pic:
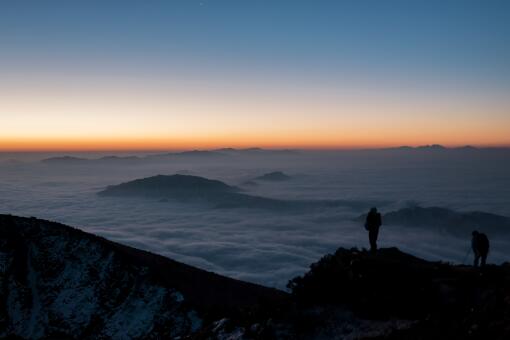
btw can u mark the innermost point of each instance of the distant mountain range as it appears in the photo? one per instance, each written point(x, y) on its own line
point(275, 176)
point(80, 160)
point(186, 155)
point(61, 283)
point(231, 153)
point(432, 147)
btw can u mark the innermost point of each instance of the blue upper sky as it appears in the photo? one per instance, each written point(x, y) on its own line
point(464, 39)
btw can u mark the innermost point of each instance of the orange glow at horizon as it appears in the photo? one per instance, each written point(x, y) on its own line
point(168, 144)
point(108, 117)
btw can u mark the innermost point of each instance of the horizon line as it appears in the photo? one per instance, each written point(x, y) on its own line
point(274, 148)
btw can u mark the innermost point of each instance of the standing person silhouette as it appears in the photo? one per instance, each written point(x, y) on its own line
point(372, 224)
point(480, 245)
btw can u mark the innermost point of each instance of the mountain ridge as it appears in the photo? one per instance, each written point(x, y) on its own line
point(60, 282)
point(79, 277)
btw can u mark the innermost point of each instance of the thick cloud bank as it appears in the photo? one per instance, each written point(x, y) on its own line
point(256, 236)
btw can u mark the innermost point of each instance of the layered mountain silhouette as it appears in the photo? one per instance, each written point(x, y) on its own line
point(433, 147)
point(191, 155)
point(59, 282)
point(449, 221)
point(195, 189)
point(64, 160)
point(275, 176)
point(173, 186)
point(188, 155)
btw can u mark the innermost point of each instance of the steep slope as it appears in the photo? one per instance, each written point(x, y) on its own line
point(432, 300)
point(57, 281)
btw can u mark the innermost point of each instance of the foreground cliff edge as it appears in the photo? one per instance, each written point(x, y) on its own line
point(60, 282)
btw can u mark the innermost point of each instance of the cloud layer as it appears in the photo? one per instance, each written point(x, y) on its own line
point(260, 245)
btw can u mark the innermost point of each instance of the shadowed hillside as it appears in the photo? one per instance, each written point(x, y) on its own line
point(58, 281)
point(433, 300)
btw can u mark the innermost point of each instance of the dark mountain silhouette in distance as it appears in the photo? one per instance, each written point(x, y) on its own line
point(189, 189)
point(447, 220)
point(191, 155)
point(64, 159)
point(275, 176)
point(172, 186)
point(434, 147)
point(60, 282)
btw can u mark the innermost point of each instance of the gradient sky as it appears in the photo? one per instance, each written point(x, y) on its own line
point(199, 74)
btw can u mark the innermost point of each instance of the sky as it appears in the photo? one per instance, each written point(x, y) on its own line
point(150, 75)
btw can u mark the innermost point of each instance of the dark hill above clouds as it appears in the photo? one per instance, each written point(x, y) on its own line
point(450, 221)
point(60, 282)
point(172, 186)
point(194, 189)
point(275, 176)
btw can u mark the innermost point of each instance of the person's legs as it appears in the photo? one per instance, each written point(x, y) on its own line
point(477, 259)
point(484, 259)
point(372, 236)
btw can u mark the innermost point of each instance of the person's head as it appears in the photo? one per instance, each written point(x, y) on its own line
point(373, 210)
point(475, 233)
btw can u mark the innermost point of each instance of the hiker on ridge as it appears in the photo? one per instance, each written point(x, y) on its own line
point(372, 224)
point(480, 245)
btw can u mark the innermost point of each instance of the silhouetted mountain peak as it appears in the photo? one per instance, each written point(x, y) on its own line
point(168, 186)
point(431, 147)
point(447, 220)
point(273, 176)
point(428, 147)
point(64, 159)
point(467, 148)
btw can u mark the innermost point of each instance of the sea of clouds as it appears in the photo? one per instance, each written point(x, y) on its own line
point(266, 246)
